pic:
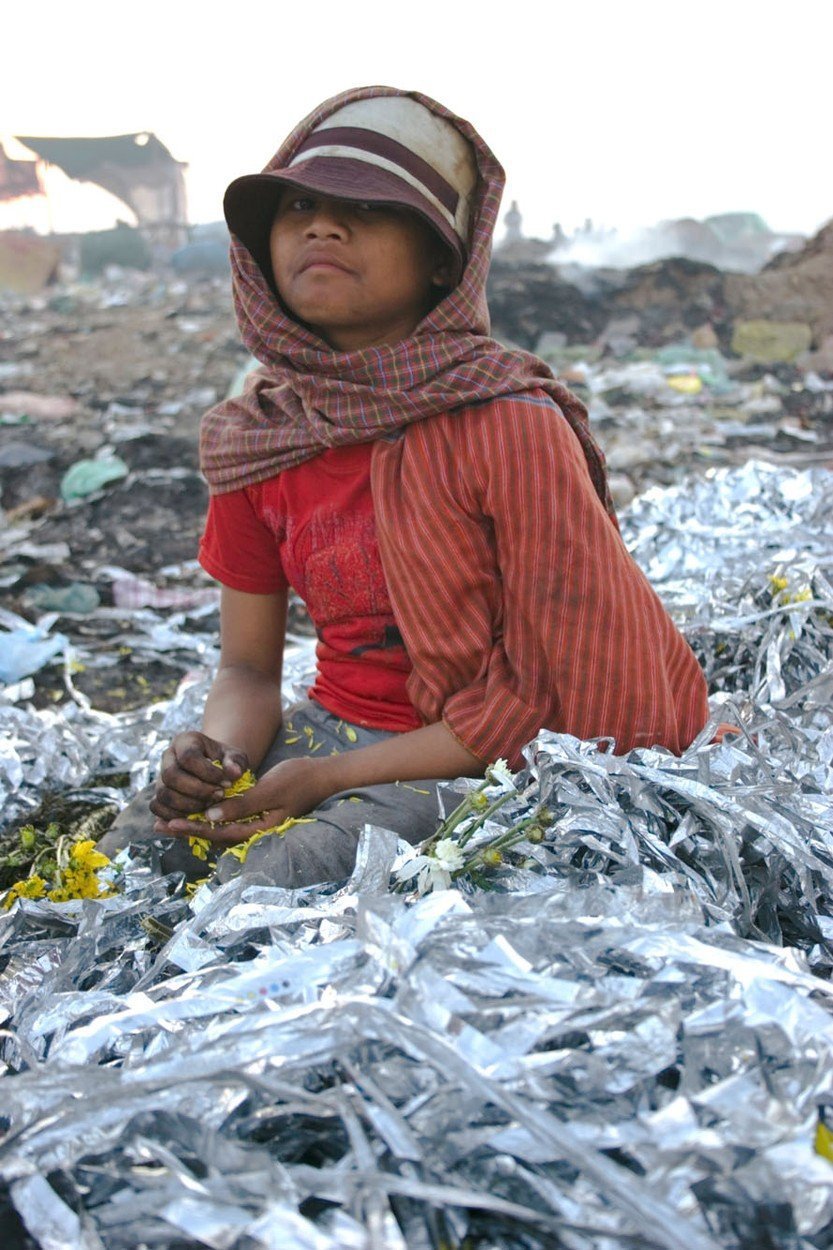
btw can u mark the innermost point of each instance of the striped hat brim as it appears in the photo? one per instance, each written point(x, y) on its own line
point(250, 202)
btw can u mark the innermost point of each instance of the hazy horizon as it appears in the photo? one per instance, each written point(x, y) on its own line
point(628, 117)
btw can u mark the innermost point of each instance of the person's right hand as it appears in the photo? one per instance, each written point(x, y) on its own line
point(189, 780)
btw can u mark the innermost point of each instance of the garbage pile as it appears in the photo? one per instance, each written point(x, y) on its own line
point(615, 1030)
point(784, 313)
point(682, 408)
point(101, 390)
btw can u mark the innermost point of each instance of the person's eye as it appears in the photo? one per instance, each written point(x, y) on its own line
point(296, 204)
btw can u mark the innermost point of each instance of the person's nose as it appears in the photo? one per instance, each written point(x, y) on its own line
point(329, 221)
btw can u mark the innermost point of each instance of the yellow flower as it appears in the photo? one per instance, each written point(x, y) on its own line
point(61, 894)
point(77, 879)
point(492, 858)
point(240, 786)
point(782, 596)
point(84, 855)
point(241, 850)
point(77, 883)
point(199, 847)
point(31, 887)
point(824, 1141)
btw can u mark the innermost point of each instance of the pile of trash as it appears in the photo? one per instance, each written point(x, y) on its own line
point(602, 1015)
point(783, 313)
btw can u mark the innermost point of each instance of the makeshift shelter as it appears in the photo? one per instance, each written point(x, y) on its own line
point(137, 168)
point(17, 178)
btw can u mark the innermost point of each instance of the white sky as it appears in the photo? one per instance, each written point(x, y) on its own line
point(624, 112)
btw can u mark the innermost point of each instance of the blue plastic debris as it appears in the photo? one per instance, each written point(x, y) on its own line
point(26, 649)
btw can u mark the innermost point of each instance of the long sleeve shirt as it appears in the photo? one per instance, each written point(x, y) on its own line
point(518, 602)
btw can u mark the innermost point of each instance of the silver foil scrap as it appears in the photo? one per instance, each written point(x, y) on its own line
point(621, 1036)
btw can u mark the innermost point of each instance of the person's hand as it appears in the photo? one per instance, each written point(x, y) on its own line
point(291, 788)
point(190, 780)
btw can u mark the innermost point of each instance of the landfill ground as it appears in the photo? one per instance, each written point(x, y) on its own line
point(597, 1016)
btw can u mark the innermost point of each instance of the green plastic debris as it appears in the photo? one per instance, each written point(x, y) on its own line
point(88, 476)
point(706, 362)
point(78, 597)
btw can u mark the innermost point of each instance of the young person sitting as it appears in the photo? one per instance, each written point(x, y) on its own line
point(436, 500)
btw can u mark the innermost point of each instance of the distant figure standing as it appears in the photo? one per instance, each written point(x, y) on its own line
point(513, 222)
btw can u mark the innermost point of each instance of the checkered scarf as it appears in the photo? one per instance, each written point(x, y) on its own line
point(306, 397)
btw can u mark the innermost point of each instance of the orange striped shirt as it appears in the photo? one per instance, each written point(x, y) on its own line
point(519, 603)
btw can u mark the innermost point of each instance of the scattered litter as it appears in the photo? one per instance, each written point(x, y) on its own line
point(25, 648)
point(685, 383)
point(47, 553)
point(88, 476)
point(77, 597)
point(15, 455)
point(29, 509)
point(706, 363)
point(137, 592)
point(38, 407)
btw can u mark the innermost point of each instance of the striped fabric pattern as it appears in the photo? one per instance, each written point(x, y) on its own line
point(307, 397)
point(519, 604)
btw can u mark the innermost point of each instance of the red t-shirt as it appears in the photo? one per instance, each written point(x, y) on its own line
point(313, 528)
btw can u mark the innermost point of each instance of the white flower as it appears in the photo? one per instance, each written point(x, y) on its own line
point(432, 877)
point(409, 864)
point(499, 774)
point(429, 872)
point(420, 872)
point(448, 855)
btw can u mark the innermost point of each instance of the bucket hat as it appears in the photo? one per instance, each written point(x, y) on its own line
point(387, 150)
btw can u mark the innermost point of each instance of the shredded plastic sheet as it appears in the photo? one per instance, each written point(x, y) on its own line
point(626, 1041)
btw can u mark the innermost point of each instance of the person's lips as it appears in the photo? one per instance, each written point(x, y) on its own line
point(323, 260)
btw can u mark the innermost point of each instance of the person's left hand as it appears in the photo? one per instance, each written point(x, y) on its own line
point(291, 788)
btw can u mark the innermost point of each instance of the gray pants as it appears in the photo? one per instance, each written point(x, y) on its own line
point(322, 850)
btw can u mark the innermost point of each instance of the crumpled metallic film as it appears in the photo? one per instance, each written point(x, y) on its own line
point(624, 1038)
point(744, 558)
point(55, 749)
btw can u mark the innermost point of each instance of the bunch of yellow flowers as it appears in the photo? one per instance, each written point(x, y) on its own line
point(201, 847)
point(76, 876)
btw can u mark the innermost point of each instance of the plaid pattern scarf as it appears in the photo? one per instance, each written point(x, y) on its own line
point(306, 397)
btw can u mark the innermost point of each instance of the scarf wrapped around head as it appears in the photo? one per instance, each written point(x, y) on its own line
point(307, 397)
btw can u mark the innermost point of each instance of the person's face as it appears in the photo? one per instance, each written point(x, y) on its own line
point(358, 274)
